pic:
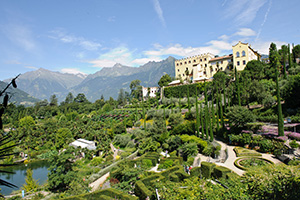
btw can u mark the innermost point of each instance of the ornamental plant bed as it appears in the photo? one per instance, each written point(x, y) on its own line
point(242, 152)
point(245, 163)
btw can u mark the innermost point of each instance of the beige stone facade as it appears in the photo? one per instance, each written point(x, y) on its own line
point(242, 54)
point(203, 67)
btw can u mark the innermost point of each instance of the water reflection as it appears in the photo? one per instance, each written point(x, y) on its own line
point(40, 171)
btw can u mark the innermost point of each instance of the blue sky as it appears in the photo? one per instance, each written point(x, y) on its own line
point(84, 36)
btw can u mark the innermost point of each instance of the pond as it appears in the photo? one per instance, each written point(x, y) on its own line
point(40, 172)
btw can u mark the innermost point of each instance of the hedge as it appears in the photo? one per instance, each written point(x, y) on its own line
point(195, 171)
point(180, 91)
point(220, 172)
point(110, 193)
point(236, 162)
point(207, 169)
point(141, 190)
point(232, 176)
point(239, 151)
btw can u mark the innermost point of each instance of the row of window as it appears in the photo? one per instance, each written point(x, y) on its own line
point(238, 62)
point(238, 54)
point(190, 62)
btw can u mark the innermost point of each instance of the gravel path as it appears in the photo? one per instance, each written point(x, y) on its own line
point(95, 185)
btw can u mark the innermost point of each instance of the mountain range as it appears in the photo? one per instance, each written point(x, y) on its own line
point(43, 83)
point(18, 96)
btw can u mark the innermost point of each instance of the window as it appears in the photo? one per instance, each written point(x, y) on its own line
point(221, 61)
point(237, 54)
point(238, 63)
point(216, 69)
point(204, 59)
point(243, 53)
point(186, 69)
point(200, 60)
point(205, 65)
point(194, 60)
point(189, 61)
point(180, 63)
point(185, 62)
point(177, 64)
point(182, 74)
point(244, 62)
point(178, 70)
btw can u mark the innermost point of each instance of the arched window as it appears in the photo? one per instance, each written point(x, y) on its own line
point(237, 54)
point(243, 53)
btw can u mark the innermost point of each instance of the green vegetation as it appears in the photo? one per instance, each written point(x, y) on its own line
point(144, 132)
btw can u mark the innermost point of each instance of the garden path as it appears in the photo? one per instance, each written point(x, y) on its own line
point(95, 185)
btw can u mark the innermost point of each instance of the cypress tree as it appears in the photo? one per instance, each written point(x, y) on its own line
point(172, 105)
point(294, 54)
point(224, 96)
point(274, 61)
point(197, 114)
point(211, 134)
point(284, 51)
point(202, 121)
point(221, 114)
point(206, 113)
point(213, 110)
point(289, 54)
point(237, 85)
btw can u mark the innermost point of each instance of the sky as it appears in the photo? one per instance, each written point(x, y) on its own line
point(83, 36)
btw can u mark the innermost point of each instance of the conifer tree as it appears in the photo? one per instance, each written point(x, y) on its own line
point(202, 121)
point(284, 49)
point(206, 112)
point(213, 110)
point(30, 184)
point(289, 54)
point(274, 61)
point(197, 114)
point(237, 85)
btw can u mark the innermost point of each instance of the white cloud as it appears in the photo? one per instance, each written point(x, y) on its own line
point(71, 71)
point(117, 55)
point(20, 35)
point(243, 11)
point(31, 67)
point(141, 61)
point(245, 32)
point(159, 12)
point(80, 41)
point(263, 46)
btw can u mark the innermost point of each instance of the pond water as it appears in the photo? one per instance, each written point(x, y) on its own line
point(40, 172)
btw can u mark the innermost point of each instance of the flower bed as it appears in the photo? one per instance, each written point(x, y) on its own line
point(245, 163)
point(272, 132)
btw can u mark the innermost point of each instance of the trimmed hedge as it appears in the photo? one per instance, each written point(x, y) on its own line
point(110, 193)
point(181, 90)
point(195, 171)
point(231, 176)
point(236, 162)
point(141, 190)
point(207, 169)
point(239, 151)
point(220, 172)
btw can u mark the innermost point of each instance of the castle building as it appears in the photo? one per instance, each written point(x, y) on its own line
point(203, 67)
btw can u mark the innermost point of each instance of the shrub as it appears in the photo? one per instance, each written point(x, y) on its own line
point(195, 171)
point(96, 161)
point(141, 190)
point(239, 151)
point(294, 144)
point(207, 169)
point(147, 163)
point(220, 172)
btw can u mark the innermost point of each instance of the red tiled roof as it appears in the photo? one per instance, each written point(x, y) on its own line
point(220, 58)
